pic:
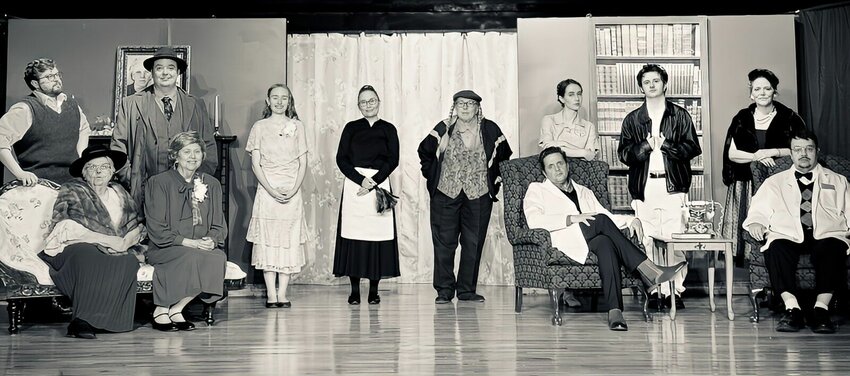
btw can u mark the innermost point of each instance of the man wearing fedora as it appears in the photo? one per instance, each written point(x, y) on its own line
point(47, 129)
point(460, 161)
point(151, 117)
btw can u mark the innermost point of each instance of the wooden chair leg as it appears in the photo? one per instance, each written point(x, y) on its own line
point(12, 308)
point(518, 303)
point(754, 293)
point(647, 316)
point(208, 313)
point(554, 296)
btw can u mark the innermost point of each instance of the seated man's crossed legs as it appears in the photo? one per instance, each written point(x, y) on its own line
point(613, 249)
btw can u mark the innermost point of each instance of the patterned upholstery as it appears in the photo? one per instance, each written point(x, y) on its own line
point(25, 214)
point(536, 263)
point(759, 280)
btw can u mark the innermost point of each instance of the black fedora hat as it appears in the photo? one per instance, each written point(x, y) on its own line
point(96, 151)
point(165, 53)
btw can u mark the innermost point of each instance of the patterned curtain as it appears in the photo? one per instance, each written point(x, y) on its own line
point(415, 76)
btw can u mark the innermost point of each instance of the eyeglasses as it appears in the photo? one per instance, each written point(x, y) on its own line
point(807, 149)
point(370, 102)
point(466, 104)
point(98, 168)
point(51, 77)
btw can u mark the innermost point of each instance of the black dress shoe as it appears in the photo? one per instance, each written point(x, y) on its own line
point(283, 304)
point(182, 325)
point(821, 322)
point(471, 297)
point(168, 327)
point(791, 321)
point(442, 300)
point(80, 329)
point(616, 321)
point(654, 302)
point(679, 304)
point(354, 299)
point(374, 298)
point(270, 305)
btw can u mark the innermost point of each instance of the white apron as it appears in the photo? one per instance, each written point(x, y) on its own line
point(360, 219)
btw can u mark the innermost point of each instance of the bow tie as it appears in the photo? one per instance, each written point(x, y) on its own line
point(799, 175)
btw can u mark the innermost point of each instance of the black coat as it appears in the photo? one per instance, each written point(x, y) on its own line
point(743, 131)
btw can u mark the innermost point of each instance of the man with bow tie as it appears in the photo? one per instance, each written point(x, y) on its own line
point(803, 210)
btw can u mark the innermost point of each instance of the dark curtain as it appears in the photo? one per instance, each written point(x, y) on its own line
point(824, 67)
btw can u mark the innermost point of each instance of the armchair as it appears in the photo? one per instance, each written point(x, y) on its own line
point(536, 263)
point(759, 283)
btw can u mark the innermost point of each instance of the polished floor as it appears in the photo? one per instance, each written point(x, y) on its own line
point(408, 334)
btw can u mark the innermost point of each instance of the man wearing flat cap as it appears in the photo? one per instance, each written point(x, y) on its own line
point(151, 117)
point(460, 161)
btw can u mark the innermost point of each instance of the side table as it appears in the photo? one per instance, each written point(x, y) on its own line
point(714, 245)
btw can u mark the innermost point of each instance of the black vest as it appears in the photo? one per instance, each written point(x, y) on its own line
point(50, 145)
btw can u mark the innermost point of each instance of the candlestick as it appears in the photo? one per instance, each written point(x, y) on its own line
point(216, 124)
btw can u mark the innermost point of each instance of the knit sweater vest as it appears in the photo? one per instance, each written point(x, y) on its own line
point(50, 145)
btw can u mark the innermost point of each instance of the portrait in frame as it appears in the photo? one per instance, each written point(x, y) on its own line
point(131, 76)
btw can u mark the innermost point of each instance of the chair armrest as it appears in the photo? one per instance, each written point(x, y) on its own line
point(532, 236)
point(751, 241)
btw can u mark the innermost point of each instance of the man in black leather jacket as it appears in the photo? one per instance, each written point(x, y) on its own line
point(657, 142)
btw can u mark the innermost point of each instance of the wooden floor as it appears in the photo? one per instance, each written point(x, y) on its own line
point(408, 334)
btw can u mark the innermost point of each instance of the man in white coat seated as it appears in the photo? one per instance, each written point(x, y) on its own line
point(803, 210)
point(579, 224)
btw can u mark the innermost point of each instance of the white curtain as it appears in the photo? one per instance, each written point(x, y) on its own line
point(415, 76)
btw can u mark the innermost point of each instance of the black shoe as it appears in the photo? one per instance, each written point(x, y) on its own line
point(654, 302)
point(270, 305)
point(374, 298)
point(283, 304)
point(169, 327)
point(182, 325)
point(821, 322)
point(669, 302)
point(354, 299)
point(80, 329)
point(471, 297)
point(442, 300)
point(791, 321)
point(616, 321)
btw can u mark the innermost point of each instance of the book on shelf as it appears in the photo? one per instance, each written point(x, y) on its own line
point(691, 235)
point(666, 40)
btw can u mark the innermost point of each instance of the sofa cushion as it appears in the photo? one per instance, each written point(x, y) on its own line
point(25, 214)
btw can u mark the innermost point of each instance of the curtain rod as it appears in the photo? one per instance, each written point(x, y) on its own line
point(401, 31)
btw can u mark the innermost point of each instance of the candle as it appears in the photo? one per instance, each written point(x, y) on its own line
point(216, 112)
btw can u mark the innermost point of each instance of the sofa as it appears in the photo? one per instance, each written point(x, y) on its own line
point(25, 215)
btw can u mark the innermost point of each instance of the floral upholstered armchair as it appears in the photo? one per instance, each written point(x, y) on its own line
point(536, 263)
point(759, 280)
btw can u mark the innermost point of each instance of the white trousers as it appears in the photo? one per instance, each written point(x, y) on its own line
point(661, 214)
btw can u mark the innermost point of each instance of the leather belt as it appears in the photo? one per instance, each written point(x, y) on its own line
point(657, 175)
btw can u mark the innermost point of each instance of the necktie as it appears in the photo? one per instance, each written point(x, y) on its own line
point(166, 108)
point(799, 175)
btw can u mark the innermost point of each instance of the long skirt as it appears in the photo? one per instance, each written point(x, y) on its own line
point(738, 198)
point(180, 272)
point(366, 259)
point(102, 287)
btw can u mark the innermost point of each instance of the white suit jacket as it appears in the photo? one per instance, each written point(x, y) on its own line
point(776, 206)
point(547, 207)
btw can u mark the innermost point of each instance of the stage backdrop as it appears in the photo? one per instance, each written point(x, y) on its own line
point(415, 76)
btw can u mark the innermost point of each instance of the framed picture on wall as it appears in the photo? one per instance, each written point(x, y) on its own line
point(131, 75)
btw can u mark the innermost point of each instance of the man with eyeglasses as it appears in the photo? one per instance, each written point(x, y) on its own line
point(47, 129)
point(803, 210)
point(658, 142)
point(460, 161)
point(148, 119)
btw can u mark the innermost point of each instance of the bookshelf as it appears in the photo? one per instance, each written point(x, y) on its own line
point(621, 47)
